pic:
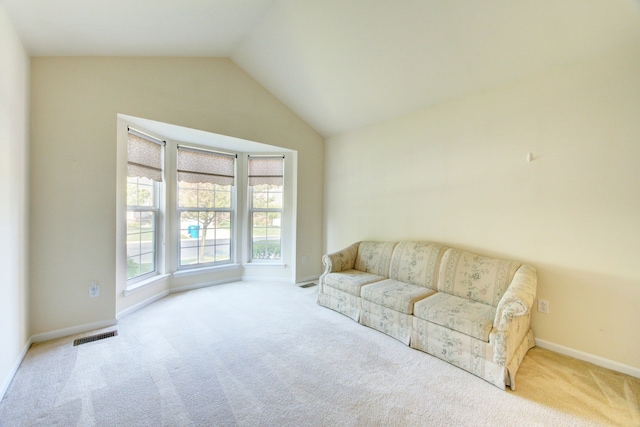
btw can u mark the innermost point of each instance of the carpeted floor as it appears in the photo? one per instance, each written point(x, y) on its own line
point(265, 354)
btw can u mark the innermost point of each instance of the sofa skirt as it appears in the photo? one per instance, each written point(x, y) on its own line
point(340, 301)
point(393, 323)
point(463, 351)
point(470, 354)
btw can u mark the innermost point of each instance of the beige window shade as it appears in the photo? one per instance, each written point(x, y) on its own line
point(203, 166)
point(266, 170)
point(144, 158)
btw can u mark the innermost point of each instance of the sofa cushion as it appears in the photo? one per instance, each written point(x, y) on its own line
point(399, 296)
point(351, 281)
point(459, 314)
point(416, 263)
point(374, 257)
point(475, 277)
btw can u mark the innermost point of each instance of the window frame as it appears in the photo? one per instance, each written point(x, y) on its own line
point(232, 211)
point(147, 163)
point(155, 210)
point(251, 210)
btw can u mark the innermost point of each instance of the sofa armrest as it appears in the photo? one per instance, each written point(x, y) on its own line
point(513, 314)
point(342, 260)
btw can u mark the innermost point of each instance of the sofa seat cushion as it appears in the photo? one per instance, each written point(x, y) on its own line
point(350, 281)
point(459, 314)
point(396, 295)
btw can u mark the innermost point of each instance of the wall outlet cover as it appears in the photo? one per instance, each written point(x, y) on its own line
point(94, 290)
point(543, 306)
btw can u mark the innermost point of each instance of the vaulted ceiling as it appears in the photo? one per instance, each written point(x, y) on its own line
point(341, 64)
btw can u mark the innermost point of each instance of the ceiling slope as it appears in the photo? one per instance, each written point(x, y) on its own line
point(134, 27)
point(341, 64)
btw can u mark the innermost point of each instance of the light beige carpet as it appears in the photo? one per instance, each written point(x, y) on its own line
point(265, 354)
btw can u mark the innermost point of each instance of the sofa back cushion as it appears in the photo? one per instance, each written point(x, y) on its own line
point(416, 263)
point(374, 257)
point(475, 277)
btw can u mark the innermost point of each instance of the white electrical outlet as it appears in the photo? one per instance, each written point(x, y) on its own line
point(304, 259)
point(543, 306)
point(94, 290)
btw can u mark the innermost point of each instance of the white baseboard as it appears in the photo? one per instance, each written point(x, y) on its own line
point(141, 304)
point(73, 330)
point(6, 382)
point(591, 358)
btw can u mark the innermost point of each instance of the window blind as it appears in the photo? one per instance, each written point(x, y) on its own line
point(205, 166)
point(144, 156)
point(266, 170)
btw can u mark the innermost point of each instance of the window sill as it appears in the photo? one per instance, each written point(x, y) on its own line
point(135, 287)
point(203, 270)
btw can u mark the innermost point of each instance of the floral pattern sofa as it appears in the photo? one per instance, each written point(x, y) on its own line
point(469, 310)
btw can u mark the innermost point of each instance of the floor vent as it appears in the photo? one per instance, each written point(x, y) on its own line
point(95, 338)
point(308, 285)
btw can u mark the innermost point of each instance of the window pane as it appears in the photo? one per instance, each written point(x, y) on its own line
point(223, 253)
point(145, 192)
point(207, 234)
point(189, 256)
point(263, 249)
point(223, 222)
point(273, 220)
point(266, 235)
point(208, 254)
point(259, 219)
point(187, 197)
point(189, 225)
point(133, 246)
point(147, 263)
point(189, 242)
point(206, 198)
point(146, 242)
point(267, 196)
point(223, 197)
point(140, 192)
point(275, 200)
point(260, 200)
point(204, 195)
point(141, 245)
point(133, 267)
point(132, 191)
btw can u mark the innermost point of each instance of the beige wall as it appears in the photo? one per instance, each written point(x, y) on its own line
point(75, 102)
point(14, 162)
point(457, 174)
